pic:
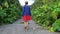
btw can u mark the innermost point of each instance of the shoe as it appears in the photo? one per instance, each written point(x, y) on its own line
point(26, 27)
point(28, 23)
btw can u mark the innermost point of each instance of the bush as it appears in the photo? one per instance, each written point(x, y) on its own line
point(48, 15)
point(56, 25)
point(10, 10)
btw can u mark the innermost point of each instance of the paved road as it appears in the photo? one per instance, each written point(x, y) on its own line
point(18, 28)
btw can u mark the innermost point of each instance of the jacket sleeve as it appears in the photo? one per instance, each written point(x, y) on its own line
point(23, 11)
point(30, 11)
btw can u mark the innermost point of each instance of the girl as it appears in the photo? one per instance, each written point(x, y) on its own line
point(26, 14)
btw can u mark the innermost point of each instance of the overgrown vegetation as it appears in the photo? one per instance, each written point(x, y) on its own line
point(10, 10)
point(44, 12)
point(47, 14)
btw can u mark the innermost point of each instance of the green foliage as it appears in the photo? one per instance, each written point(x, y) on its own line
point(47, 14)
point(10, 10)
point(51, 29)
point(6, 4)
point(56, 25)
point(55, 12)
point(2, 13)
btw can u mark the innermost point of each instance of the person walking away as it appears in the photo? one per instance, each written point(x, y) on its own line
point(26, 12)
